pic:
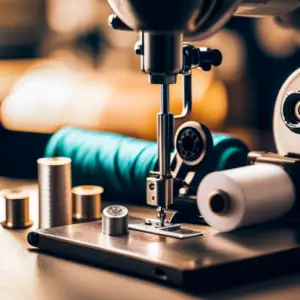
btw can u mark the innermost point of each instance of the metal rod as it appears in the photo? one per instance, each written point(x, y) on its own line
point(164, 134)
point(162, 216)
point(187, 97)
point(164, 148)
point(164, 98)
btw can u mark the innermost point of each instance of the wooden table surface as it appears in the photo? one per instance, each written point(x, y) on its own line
point(25, 274)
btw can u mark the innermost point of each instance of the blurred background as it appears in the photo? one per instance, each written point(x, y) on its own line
point(60, 64)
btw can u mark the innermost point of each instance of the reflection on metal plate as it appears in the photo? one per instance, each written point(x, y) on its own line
point(171, 230)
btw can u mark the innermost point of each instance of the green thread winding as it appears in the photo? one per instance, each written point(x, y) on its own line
point(121, 164)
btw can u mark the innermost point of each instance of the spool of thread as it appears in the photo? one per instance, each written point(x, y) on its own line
point(118, 163)
point(86, 203)
point(244, 196)
point(121, 164)
point(17, 210)
point(54, 185)
point(228, 152)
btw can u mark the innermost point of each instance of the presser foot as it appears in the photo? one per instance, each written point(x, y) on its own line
point(168, 229)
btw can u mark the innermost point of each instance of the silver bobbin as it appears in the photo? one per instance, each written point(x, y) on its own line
point(55, 198)
point(115, 220)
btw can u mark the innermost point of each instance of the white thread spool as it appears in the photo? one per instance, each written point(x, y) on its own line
point(249, 195)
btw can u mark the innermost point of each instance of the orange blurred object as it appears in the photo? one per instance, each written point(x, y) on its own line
point(53, 95)
point(10, 73)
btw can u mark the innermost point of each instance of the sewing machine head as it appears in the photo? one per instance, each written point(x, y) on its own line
point(162, 37)
point(167, 23)
point(163, 26)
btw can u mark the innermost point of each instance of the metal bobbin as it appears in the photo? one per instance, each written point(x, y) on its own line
point(55, 198)
point(115, 220)
point(17, 210)
point(86, 203)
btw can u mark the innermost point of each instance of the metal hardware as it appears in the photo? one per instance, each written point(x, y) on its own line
point(156, 224)
point(187, 98)
point(86, 202)
point(203, 58)
point(115, 220)
point(256, 157)
point(55, 198)
point(17, 210)
point(169, 230)
point(192, 142)
point(184, 261)
point(159, 191)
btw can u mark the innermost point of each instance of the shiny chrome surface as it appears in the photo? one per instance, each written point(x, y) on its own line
point(17, 210)
point(86, 201)
point(169, 230)
point(187, 98)
point(115, 220)
point(55, 198)
point(266, 248)
point(215, 19)
point(159, 191)
point(164, 132)
point(259, 8)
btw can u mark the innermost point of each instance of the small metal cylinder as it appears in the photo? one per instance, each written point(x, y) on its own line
point(165, 135)
point(115, 220)
point(55, 198)
point(17, 210)
point(163, 56)
point(86, 203)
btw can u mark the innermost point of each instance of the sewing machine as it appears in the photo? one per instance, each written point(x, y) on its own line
point(165, 55)
point(149, 249)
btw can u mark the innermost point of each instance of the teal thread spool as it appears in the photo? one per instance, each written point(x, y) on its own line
point(228, 152)
point(118, 163)
point(121, 164)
